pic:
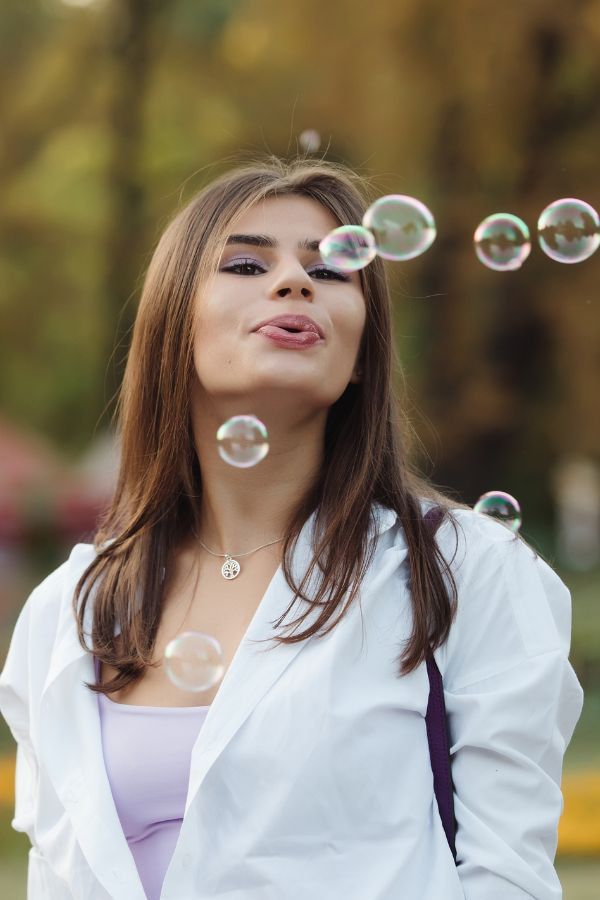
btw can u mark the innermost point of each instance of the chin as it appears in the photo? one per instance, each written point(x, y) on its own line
point(291, 389)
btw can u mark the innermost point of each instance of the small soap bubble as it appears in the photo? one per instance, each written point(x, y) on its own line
point(569, 230)
point(501, 506)
point(348, 248)
point(242, 441)
point(502, 242)
point(310, 140)
point(194, 661)
point(403, 226)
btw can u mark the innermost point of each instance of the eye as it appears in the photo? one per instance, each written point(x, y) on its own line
point(243, 267)
point(252, 267)
point(326, 274)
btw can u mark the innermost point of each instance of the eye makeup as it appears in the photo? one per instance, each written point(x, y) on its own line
point(236, 267)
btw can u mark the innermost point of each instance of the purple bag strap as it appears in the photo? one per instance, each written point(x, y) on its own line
point(437, 728)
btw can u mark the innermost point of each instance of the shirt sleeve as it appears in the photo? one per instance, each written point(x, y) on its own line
point(26, 780)
point(512, 701)
point(14, 693)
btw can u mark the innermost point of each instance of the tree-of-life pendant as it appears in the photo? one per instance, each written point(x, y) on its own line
point(230, 568)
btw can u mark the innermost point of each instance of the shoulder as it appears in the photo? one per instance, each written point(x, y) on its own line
point(464, 532)
point(47, 611)
point(42, 621)
point(511, 605)
point(478, 546)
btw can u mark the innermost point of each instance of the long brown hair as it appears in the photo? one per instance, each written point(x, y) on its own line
point(366, 453)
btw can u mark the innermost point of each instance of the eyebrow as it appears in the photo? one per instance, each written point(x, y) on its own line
point(263, 240)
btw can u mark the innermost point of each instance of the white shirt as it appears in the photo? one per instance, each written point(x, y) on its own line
point(311, 775)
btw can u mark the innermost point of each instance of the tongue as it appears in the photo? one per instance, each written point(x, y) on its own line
point(303, 337)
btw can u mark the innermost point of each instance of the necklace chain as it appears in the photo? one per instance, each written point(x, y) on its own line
point(248, 552)
point(231, 567)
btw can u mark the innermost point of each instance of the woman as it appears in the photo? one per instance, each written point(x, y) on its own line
point(305, 772)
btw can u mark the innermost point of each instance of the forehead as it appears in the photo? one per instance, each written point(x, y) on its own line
point(289, 219)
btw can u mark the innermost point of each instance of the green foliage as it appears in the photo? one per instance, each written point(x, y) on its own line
point(200, 23)
point(585, 642)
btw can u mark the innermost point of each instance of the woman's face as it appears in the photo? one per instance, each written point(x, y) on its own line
point(271, 266)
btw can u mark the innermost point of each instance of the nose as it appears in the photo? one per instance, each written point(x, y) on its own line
point(293, 282)
point(285, 291)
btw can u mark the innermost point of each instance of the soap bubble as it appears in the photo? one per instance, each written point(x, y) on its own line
point(194, 661)
point(403, 226)
point(242, 441)
point(310, 140)
point(348, 248)
point(502, 242)
point(501, 506)
point(569, 230)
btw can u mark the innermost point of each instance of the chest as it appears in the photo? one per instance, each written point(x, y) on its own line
point(198, 598)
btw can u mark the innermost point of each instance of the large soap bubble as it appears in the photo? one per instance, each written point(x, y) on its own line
point(403, 226)
point(242, 441)
point(348, 248)
point(194, 661)
point(569, 230)
point(502, 242)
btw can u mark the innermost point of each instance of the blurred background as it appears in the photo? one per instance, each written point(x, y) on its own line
point(115, 112)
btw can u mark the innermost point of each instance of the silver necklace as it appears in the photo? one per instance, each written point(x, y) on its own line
point(231, 567)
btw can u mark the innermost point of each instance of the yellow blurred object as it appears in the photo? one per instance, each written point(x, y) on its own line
point(7, 780)
point(245, 42)
point(579, 826)
point(578, 830)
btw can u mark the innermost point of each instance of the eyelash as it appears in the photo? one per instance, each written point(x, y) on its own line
point(334, 275)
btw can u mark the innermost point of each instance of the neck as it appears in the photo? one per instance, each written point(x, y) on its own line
point(243, 509)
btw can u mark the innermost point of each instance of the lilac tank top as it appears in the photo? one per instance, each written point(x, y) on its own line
point(147, 751)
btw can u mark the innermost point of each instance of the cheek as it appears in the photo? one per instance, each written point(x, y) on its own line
point(351, 325)
point(218, 352)
point(209, 350)
point(212, 323)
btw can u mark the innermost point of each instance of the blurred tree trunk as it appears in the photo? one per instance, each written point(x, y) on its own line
point(481, 383)
point(132, 31)
point(454, 389)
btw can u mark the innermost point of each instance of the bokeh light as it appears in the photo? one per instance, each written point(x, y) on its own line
point(80, 4)
point(310, 140)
